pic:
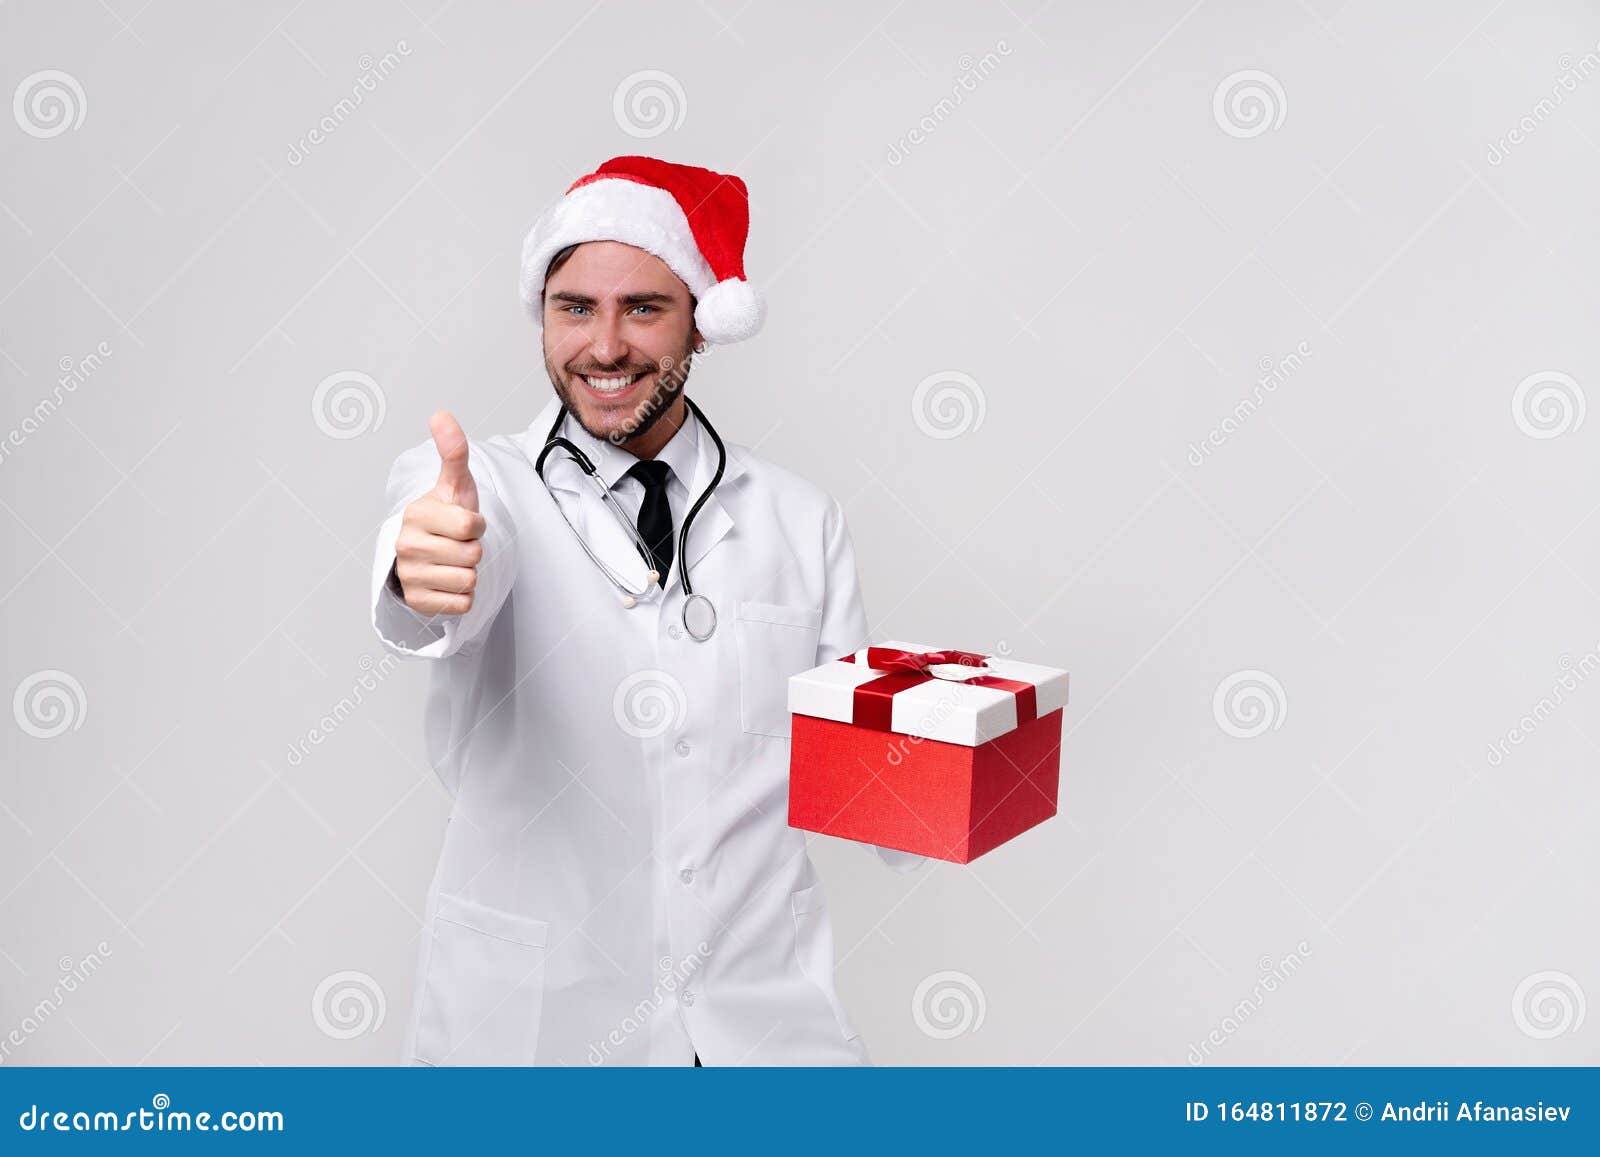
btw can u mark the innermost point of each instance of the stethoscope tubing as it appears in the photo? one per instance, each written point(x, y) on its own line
point(554, 440)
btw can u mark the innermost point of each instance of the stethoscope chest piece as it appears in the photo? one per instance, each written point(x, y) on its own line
point(699, 618)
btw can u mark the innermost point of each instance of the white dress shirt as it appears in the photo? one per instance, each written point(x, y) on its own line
point(680, 453)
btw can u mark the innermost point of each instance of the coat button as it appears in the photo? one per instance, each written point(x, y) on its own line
point(674, 631)
point(681, 747)
point(687, 875)
point(687, 997)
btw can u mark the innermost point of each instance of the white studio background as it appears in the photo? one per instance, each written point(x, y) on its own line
point(1235, 357)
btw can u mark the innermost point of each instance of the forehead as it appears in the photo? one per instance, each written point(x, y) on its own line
point(603, 266)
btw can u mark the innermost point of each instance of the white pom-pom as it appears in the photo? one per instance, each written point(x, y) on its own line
point(730, 311)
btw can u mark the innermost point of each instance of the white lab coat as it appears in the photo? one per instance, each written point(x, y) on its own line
point(619, 883)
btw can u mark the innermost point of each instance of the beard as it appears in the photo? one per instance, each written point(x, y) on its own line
point(671, 373)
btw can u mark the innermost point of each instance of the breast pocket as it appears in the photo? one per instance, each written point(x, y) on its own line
point(484, 991)
point(775, 641)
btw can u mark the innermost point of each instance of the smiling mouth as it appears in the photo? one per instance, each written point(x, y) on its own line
point(611, 383)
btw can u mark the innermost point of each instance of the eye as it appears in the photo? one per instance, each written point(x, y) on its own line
point(571, 308)
point(651, 308)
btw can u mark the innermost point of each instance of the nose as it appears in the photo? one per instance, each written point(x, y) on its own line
point(606, 343)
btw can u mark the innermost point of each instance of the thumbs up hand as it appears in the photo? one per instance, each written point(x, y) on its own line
point(441, 536)
point(455, 486)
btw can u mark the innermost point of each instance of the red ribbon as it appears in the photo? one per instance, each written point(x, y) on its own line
point(873, 705)
point(894, 659)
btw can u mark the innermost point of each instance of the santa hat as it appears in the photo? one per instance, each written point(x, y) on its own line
point(695, 220)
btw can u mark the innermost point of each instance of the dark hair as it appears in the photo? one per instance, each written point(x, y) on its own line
point(560, 259)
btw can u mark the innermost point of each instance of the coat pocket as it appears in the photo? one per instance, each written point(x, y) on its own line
point(775, 641)
point(484, 990)
point(813, 950)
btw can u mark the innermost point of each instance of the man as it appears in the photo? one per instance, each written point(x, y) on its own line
point(618, 883)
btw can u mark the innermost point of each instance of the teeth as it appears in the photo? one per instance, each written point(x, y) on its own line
point(611, 385)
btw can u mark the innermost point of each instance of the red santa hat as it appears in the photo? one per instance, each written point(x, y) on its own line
point(695, 220)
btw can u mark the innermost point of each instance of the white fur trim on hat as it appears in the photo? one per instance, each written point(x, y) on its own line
point(614, 209)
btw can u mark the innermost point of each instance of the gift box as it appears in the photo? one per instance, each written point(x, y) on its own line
point(943, 753)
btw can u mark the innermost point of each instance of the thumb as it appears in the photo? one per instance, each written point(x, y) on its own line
point(455, 483)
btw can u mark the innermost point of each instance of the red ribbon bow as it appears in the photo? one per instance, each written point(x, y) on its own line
point(873, 704)
point(894, 659)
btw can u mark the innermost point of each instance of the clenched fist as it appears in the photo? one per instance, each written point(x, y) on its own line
point(441, 535)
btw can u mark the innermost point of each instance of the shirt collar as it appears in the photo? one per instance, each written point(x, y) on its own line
point(681, 453)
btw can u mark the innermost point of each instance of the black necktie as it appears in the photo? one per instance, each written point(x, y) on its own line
point(655, 516)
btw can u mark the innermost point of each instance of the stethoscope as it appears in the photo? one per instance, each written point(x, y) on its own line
point(699, 616)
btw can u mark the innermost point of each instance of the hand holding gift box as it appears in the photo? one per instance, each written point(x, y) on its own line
point(943, 753)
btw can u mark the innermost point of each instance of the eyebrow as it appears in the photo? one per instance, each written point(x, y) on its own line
point(573, 298)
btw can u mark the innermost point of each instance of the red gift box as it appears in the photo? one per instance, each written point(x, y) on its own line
point(933, 752)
